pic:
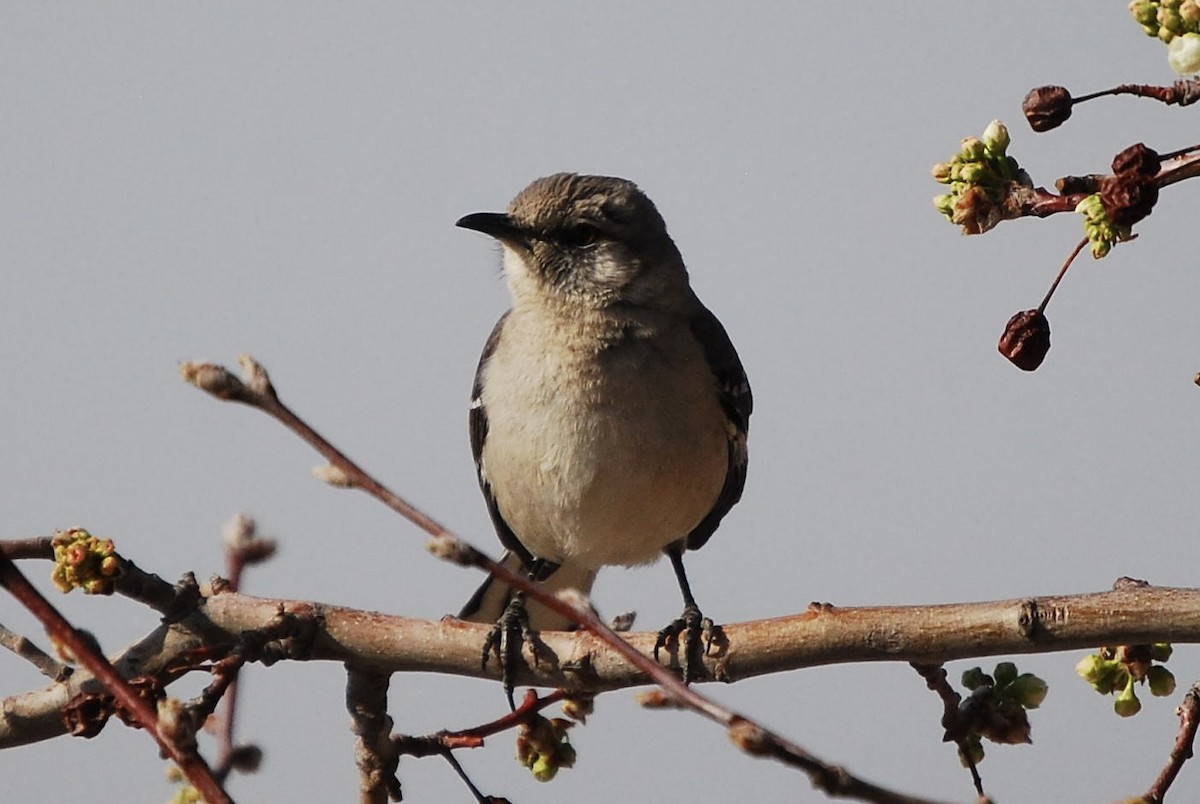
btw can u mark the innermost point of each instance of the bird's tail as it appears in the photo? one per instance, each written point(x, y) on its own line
point(491, 598)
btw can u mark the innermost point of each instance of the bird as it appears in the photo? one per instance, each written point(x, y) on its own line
point(609, 412)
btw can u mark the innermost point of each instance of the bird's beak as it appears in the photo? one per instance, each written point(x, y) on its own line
point(496, 224)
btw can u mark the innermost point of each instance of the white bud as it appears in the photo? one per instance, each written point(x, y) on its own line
point(995, 138)
point(1183, 54)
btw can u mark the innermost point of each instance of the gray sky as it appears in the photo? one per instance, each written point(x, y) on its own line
point(195, 181)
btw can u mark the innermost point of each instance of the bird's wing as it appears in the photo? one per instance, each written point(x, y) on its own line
point(479, 431)
point(737, 402)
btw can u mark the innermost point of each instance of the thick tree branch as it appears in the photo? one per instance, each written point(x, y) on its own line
point(821, 635)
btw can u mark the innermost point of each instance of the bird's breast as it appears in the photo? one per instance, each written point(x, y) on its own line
point(608, 454)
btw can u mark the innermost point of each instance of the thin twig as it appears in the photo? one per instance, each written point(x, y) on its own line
point(444, 741)
point(243, 547)
point(22, 646)
point(1189, 721)
point(1183, 92)
point(33, 547)
point(1061, 273)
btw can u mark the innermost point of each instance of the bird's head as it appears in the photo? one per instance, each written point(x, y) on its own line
point(592, 240)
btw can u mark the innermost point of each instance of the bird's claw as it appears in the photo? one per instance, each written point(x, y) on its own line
point(505, 639)
point(697, 630)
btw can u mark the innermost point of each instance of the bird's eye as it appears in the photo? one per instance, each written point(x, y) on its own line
point(579, 235)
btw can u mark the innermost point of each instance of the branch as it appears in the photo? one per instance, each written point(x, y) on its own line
point(580, 661)
point(44, 662)
point(366, 699)
point(1189, 720)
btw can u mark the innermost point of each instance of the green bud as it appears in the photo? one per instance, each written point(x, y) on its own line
point(975, 678)
point(1161, 651)
point(1105, 675)
point(543, 769)
point(1161, 681)
point(1005, 674)
point(1127, 703)
point(1144, 11)
point(971, 752)
point(995, 138)
point(945, 204)
point(1170, 20)
point(973, 149)
point(941, 173)
point(1091, 668)
point(1028, 690)
point(1091, 207)
point(974, 173)
point(1166, 34)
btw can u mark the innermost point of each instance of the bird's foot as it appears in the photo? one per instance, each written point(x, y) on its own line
point(505, 639)
point(697, 631)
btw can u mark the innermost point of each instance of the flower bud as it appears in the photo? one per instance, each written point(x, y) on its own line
point(974, 173)
point(944, 204)
point(1144, 11)
point(1005, 674)
point(1127, 703)
point(1161, 651)
point(1169, 20)
point(1029, 690)
point(1026, 340)
point(1183, 54)
point(971, 752)
point(973, 149)
point(995, 138)
point(975, 678)
point(1161, 681)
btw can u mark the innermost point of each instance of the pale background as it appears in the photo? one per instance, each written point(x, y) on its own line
point(194, 181)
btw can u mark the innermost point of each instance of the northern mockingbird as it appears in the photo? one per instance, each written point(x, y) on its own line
point(609, 413)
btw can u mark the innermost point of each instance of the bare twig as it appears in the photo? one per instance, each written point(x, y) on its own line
point(44, 662)
point(189, 762)
point(1041, 308)
point(1183, 92)
point(1189, 720)
point(243, 547)
point(33, 547)
point(442, 742)
point(256, 391)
